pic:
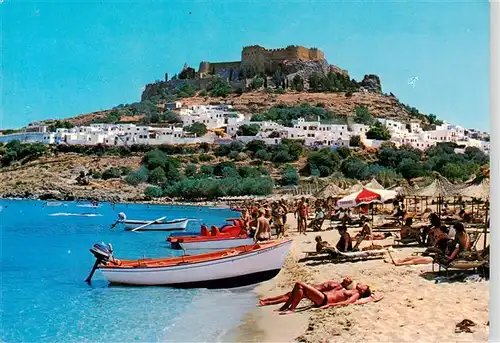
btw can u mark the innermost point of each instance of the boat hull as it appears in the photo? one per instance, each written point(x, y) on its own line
point(163, 226)
point(215, 243)
point(229, 271)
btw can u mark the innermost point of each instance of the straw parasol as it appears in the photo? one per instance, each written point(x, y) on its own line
point(478, 188)
point(330, 190)
point(374, 184)
point(439, 188)
point(353, 189)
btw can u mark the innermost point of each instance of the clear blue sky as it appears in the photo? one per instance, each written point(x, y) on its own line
point(64, 59)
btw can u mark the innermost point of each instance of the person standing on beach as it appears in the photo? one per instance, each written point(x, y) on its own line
point(277, 219)
point(263, 232)
point(303, 212)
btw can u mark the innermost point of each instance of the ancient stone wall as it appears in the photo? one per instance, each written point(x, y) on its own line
point(291, 52)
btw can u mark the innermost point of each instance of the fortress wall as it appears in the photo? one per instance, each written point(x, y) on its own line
point(224, 65)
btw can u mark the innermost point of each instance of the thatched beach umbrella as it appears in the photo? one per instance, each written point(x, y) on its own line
point(480, 190)
point(374, 184)
point(353, 189)
point(330, 190)
point(440, 188)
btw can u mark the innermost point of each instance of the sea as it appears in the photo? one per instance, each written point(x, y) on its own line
point(45, 258)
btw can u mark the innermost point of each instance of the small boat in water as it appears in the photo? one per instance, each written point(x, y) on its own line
point(53, 203)
point(168, 225)
point(159, 224)
point(236, 267)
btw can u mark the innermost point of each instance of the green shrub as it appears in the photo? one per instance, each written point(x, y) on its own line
point(136, 177)
point(111, 173)
point(153, 192)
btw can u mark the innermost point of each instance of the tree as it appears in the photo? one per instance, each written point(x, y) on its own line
point(171, 117)
point(219, 87)
point(379, 132)
point(363, 116)
point(289, 176)
point(153, 192)
point(325, 161)
point(157, 176)
point(199, 129)
point(355, 141)
point(257, 82)
point(298, 83)
point(316, 82)
point(155, 158)
point(111, 173)
point(248, 130)
point(187, 74)
point(255, 145)
point(262, 154)
point(136, 177)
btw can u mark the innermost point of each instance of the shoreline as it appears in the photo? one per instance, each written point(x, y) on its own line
point(213, 204)
point(262, 324)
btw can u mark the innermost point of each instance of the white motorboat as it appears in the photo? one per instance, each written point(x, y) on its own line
point(168, 225)
point(235, 267)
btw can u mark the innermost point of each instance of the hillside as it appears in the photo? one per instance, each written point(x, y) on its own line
point(379, 105)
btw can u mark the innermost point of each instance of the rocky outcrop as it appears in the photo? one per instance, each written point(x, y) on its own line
point(304, 68)
point(371, 83)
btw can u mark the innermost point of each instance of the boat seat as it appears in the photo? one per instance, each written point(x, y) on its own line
point(215, 230)
point(204, 231)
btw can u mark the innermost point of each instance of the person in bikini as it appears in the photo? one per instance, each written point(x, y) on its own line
point(329, 285)
point(445, 248)
point(324, 299)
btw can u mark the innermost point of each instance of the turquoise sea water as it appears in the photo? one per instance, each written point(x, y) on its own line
point(45, 258)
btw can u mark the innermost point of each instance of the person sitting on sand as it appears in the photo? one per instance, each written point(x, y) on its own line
point(320, 244)
point(325, 299)
point(329, 285)
point(263, 232)
point(345, 242)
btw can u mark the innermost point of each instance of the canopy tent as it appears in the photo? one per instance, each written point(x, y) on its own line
point(374, 184)
point(366, 196)
point(330, 190)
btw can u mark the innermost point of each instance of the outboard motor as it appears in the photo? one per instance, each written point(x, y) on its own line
point(122, 216)
point(102, 253)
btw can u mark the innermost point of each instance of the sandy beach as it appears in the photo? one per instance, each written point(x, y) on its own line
point(415, 308)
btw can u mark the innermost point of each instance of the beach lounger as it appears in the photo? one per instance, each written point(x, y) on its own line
point(469, 260)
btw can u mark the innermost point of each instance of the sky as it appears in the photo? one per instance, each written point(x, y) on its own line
point(68, 58)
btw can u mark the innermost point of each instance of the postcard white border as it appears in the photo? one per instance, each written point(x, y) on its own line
point(494, 168)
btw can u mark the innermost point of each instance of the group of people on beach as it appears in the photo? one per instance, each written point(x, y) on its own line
point(443, 243)
point(260, 218)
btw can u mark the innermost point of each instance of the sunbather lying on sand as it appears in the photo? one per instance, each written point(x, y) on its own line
point(327, 299)
point(329, 285)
